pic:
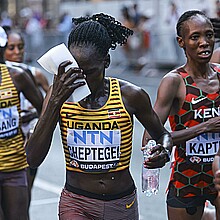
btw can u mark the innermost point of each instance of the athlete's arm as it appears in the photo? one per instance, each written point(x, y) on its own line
point(138, 103)
point(41, 80)
point(216, 170)
point(169, 100)
point(63, 86)
point(26, 85)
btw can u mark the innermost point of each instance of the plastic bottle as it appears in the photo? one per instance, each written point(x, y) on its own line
point(150, 177)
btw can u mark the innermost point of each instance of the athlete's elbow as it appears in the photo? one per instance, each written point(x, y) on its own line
point(32, 163)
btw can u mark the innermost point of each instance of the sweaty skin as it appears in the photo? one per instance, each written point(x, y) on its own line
point(171, 92)
point(198, 43)
point(10, 205)
point(64, 84)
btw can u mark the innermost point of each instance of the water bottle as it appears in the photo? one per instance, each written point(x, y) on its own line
point(150, 177)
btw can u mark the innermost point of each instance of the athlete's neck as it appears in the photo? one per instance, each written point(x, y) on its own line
point(98, 96)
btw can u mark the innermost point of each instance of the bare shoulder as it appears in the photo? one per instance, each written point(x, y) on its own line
point(134, 97)
point(171, 91)
point(20, 77)
point(215, 56)
point(171, 80)
point(173, 75)
point(130, 89)
point(17, 71)
point(39, 72)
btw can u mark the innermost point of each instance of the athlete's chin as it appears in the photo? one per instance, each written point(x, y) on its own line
point(204, 59)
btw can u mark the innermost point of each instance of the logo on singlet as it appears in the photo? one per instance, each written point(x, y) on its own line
point(5, 93)
point(195, 159)
point(195, 101)
point(114, 113)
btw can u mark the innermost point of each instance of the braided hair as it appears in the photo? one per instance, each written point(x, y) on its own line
point(100, 30)
point(185, 17)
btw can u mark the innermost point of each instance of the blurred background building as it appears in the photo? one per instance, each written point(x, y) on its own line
point(45, 23)
point(149, 54)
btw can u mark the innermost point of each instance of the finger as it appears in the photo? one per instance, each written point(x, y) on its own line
point(76, 85)
point(72, 76)
point(157, 149)
point(156, 158)
point(164, 157)
point(159, 164)
point(143, 148)
point(74, 72)
point(75, 80)
point(62, 66)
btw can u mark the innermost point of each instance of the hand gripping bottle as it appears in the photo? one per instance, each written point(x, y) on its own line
point(150, 177)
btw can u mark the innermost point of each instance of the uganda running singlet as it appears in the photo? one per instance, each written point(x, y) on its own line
point(97, 140)
point(12, 153)
point(192, 168)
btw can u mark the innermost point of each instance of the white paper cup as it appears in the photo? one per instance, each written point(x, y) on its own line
point(51, 60)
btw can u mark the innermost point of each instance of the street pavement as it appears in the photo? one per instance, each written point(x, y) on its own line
point(51, 174)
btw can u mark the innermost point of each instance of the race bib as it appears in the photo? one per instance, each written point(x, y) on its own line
point(202, 149)
point(9, 122)
point(94, 150)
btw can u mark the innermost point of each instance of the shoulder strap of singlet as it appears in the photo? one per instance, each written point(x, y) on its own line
point(214, 66)
point(182, 72)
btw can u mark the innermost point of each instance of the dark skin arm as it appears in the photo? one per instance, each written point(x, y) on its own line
point(28, 114)
point(25, 84)
point(41, 80)
point(63, 86)
point(216, 59)
point(216, 170)
point(148, 118)
point(169, 100)
point(112, 182)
